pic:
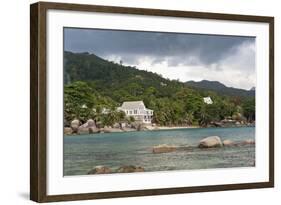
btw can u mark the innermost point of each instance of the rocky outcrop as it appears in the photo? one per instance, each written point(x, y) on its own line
point(88, 127)
point(164, 148)
point(129, 169)
point(67, 131)
point(100, 170)
point(228, 143)
point(83, 131)
point(90, 123)
point(110, 129)
point(94, 130)
point(210, 142)
point(122, 169)
point(141, 127)
point(248, 142)
point(75, 125)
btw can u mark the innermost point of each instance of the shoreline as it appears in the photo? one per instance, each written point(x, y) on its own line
point(150, 128)
point(146, 128)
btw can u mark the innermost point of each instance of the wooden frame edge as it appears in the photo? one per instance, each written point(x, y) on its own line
point(271, 101)
point(38, 174)
point(37, 102)
point(155, 192)
point(33, 102)
point(153, 12)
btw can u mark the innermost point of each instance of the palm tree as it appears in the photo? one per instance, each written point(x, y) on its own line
point(204, 117)
point(189, 117)
point(97, 115)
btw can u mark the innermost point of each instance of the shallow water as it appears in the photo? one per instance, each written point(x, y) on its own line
point(83, 152)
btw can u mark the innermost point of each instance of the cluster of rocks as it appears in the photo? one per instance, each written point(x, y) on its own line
point(86, 128)
point(232, 123)
point(208, 142)
point(215, 141)
point(90, 127)
point(122, 169)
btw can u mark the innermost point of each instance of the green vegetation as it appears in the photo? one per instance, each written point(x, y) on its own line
point(92, 84)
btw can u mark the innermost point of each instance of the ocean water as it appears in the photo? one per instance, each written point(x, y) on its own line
point(83, 152)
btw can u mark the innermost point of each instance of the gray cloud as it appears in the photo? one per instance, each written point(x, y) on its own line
point(187, 49)
point(219, 55)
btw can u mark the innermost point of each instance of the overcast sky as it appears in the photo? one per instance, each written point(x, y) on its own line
point(228, 59)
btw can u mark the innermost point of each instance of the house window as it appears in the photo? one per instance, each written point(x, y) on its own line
point(135, 112)
point(131, 112)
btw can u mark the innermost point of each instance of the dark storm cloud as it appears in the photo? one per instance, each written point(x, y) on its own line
point(187, 49)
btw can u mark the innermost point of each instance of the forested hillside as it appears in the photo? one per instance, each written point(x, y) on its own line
point(220, 88)
point(92, 84)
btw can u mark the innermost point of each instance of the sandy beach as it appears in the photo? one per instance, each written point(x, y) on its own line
point(149, 127)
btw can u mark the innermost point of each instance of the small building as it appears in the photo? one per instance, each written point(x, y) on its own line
point(208, 100)
point(137, 110)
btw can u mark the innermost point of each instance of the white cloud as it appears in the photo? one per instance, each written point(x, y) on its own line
point(236, 70)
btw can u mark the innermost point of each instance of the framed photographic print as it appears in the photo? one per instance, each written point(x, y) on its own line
point(134, 102)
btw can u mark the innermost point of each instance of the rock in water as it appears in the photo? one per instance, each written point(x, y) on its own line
point(228, 143)
point(209, 142)
point(249, 141)
point(164, 148)
point(83, 130)
point(88, 127)
point(67, 131)
point(91, 123)
point(93, 130)
point(100, 170)
point(129, 169)
point(75, 125)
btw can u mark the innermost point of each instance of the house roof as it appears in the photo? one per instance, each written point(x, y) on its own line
point(208, 100)
point(133, 105)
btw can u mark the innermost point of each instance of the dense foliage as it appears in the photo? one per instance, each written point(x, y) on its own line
point(93, 84)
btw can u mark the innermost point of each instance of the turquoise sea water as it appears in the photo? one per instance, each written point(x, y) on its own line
point(83, 152)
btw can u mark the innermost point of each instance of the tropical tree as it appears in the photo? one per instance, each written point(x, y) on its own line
point(78, 101)
point(249, 109)
point(189, 117)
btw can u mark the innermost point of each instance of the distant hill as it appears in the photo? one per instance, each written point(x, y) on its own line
point(89, 67)
point(220, 88)
point(108, 76)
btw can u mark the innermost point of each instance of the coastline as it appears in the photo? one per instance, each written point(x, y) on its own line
point(171, 127)
point(68, 131)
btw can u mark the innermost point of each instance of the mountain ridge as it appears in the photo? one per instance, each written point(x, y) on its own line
point(220, 88)
point(90, 67)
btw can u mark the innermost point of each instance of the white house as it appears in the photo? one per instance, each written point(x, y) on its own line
point(137, 110)
point(208, 100)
